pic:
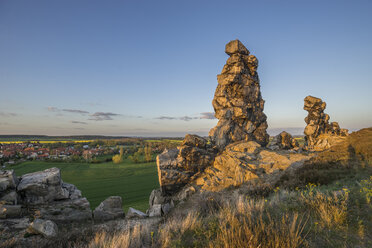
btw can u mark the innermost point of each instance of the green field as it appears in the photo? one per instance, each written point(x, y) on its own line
point(133, 182)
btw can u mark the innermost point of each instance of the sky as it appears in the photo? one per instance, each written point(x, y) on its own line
point(148, 68)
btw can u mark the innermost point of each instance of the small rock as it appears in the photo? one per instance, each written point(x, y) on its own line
point(109, 209)
point(155, 211)
point(47, 228)
point(134, 213)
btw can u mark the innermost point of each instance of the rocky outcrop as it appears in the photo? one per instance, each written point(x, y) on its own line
point(237, 102)
point(243, 161)
point(283, 141)
point(177, 166)
point(238, 105)
point(42, 187)
point(319, 133)
point(109, 209)
point(42, 194)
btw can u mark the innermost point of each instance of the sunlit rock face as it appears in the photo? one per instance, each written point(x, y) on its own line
point(237, 101)
point(177, 166)
point(319, 133)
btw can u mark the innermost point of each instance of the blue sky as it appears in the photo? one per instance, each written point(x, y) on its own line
point(148, 68)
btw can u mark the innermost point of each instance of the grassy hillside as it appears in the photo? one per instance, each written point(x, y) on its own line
point(326, 203)
point(133, 182)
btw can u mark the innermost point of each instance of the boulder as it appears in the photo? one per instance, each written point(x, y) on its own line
point(42, 187)
point(236, 47)
point(319, 133)
point(109, 209)
point(134, 213)
point(65, 211)
point(284, 141)
point(237, 101)
point(47, 228)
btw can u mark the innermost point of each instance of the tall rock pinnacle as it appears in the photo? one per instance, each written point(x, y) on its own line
point(319, 133)
point(237, 102)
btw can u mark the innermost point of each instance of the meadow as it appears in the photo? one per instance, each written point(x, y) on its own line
point(133, 182)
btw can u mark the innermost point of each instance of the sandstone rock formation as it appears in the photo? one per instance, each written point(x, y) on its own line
point(283, 141)
point(177, 166)
point(244, 161)
point(109, 209)
point(239, 107)
point(320, 134)
point(237, 102)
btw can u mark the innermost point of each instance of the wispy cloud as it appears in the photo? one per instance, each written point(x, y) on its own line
point(207, 115)
point(187, 118)
point(79, 122)
point(77, 111)
point(102, 116)
point(7, 114)
point(166, 118)
point(204, 115)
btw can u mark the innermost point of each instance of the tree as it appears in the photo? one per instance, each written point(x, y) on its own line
point(136, 156)
point(118, 158)
point(148, 155)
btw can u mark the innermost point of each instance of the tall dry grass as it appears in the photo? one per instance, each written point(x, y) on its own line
point(134, 237)
point(243, 223)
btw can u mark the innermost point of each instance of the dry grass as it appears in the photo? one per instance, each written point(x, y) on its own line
point(135, 237)
point(243, 223)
